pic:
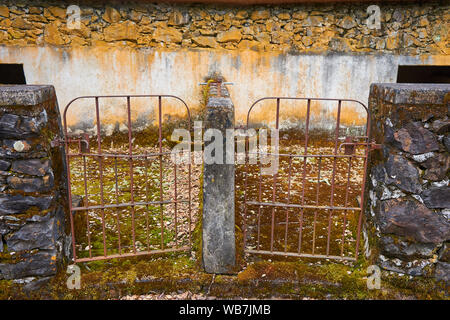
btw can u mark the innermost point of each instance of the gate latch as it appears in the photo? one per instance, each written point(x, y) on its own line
point(83, 143)
point(349, 146)
point(374, 146)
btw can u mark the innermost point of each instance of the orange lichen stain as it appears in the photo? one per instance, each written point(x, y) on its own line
point(439, 60)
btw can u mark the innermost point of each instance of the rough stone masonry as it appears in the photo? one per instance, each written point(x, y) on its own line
point(32, 184)
point(409, 192)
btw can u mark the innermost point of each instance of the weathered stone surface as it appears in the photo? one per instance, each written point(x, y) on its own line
point(58, 12)
point(260, 15)
point(41, 264)
point(444, 253)
point(4, 165)
point(43, 184)
point(178, 18)
point(13, 204)
point(35, 235)
point(121, 31)
point(218, 245)
point(167, 35)
point(24, 148)
point(207, 42)
point(36, 284)
point(417, 267)
point(35, 167)
point(111, 15)
point(441, 126)
point(4, 11)
point(412, 93)
point(415, 139)
point(52, 35)
point(412, 220)
point(25, 95)
point(446, 141)
point(397, 247)
point(437, 167)
point(442, 272)
point(21, 23)
point(8, 124)
point(413, 35)
point(347, 23)
point(436, 197)
point(402, 174)
point(233, 35)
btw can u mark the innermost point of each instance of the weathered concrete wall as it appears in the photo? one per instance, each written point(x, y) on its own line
point(218, 244)
point(32, 184)
point(297, 50)
point(409, 192)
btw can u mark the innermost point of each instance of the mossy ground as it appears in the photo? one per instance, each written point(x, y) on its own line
point(168, 274)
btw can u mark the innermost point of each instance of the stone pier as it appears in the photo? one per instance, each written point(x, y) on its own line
point(409, 193)
point(33, 237)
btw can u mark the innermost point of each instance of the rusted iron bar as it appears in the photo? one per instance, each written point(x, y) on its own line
point(100, 156)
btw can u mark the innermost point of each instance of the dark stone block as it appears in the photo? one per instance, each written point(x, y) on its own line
point(33, 125)
point(4, 165)
point(444, 253)
point(441, 126)
point(4, 228)
point(379, 173)
point(33, 167)
point(412, 220)
point(418, 267)
point(436, 197)
point(437, 167)
point(403, 174)
point(33, 235)
point(446, 141)
point(40, 264)
point(415, 139)
point(43, 184)
point(36, 284)
point(395, 247)
point(8, 124)
point(442, 272)
point(14, 126)
point(13, 204)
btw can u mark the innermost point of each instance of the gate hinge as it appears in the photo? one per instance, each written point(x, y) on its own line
point(374, 146)
point(57, 142)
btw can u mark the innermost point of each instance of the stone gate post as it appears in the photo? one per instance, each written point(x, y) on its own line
point(218, 249)
point(409, 192)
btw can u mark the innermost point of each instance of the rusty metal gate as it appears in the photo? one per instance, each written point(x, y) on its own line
point(312, 206)
point(119, 197)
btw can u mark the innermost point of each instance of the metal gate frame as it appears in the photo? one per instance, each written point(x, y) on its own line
point(100, 155)
point(349, 146)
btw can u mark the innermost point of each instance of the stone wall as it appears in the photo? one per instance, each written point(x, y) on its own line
point(32, 184)
point(406, 28)
point(409, 193)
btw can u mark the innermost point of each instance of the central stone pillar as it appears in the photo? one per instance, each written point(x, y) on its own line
point(219, 254)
